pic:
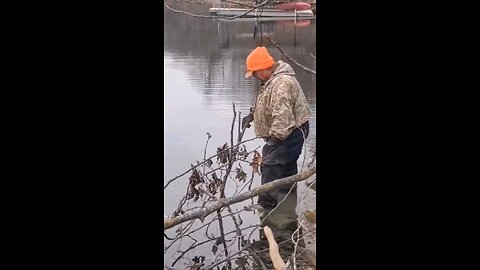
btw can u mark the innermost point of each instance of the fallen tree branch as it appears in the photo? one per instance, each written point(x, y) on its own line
point(291, 59)
point(169, 223)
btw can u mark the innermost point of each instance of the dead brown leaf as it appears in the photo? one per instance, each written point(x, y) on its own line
point(241, 175)
point(194, 180)
point(256, 162)
point(223, 154)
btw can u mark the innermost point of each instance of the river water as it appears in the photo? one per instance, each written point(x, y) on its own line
point(204, 67)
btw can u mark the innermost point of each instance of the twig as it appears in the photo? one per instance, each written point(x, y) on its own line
point(215, 218)
point(231, 161)
point(194, 245)
point(201, 243)
point(193, 167)
point(190, 14)
point(205, 150)
point(237, 227)
point(178, 237)
point(313, 184)
point(236, 239)
point(313, 56)
point(169, 223)
point(290, 58)
point(250, 182)
point(304, 148)
point(231, 151)
point(239, 125)
point(261, 262)
point(296, 245)
point(233, 127)
point(222, 233)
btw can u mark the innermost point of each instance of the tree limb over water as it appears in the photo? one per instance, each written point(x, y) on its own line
point(169, 223)
point(291, 59)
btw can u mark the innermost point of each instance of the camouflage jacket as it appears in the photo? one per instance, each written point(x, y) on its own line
point(281, 105)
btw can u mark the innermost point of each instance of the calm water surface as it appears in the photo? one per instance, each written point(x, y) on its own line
point(204, 67)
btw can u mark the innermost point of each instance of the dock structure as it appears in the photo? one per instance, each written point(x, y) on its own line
point(230, 8)
point(262, 13)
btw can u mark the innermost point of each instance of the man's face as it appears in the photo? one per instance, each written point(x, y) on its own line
point(262, 75)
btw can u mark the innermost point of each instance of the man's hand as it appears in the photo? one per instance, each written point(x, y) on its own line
point(273, 141)
point(247, 120)
point(271, 144)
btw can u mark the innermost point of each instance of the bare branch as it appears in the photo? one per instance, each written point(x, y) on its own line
point(264, 267)
point(193, 167)
point(169, 223)
point(205, 150)
point(231, 161)
point(222, 232)
point(239, 126)
point(291, 59)
point(231, 151)
point(190, 14)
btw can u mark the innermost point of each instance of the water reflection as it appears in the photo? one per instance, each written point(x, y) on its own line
point(222, 47)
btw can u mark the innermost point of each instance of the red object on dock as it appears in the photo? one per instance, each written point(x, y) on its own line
point(293, 6)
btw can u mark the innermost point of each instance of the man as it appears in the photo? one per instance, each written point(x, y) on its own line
point(280, 115)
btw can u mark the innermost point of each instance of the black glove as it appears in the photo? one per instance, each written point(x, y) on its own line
point(247, 120)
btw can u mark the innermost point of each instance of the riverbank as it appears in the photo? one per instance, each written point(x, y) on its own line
point(309, 204)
